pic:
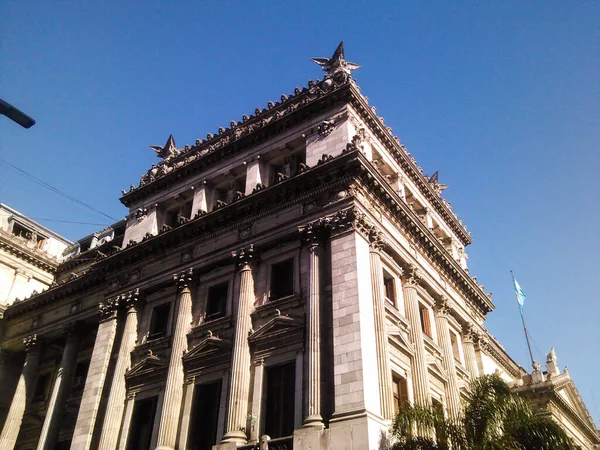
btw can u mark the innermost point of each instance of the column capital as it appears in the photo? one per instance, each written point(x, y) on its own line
point(108, 308)
point(469, 333)
point(244, 257)
point(73, 330)
point(315, 233)
point(376, 240)
point(131, 299)
point(412, 276)
point(442, 307)
point(183, 279)
point(31, 343)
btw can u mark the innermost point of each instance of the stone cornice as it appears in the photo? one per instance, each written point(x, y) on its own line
point(376, 185)
point(14, 245)
point(313, 183)
point(401, 155)
point(278, 117)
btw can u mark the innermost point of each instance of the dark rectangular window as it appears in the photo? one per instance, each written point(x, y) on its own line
point(425, 322)
point(280, 384)
point(159, 321)
point(216, 301)
point(41, 387)
point(205, 415)
point(400, 389)
point(390, 288)
point(142, 424)
point(282, 279)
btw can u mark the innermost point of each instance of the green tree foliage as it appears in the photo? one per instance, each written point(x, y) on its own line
point(494, 418)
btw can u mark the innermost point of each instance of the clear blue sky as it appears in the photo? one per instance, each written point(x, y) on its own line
point(500, 97)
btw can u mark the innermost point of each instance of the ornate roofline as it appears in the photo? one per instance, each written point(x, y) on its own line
point(305, 103)
point(302, 105)
point(401, 155)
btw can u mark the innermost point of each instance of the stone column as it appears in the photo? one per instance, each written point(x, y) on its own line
point(60, 390)
point(94, 382)
point(419, 363)
point(169, 416)
point(129, 405)
point(22, 396)
point(313, 234)
point(442, 312)
point(383, 367)
point(469, 350)
point(116, 399)
point(239, 385)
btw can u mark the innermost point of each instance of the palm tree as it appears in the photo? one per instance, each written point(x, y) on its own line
point(494, 418)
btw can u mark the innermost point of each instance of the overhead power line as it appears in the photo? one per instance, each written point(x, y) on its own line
point(54, 189)
point(69, 221)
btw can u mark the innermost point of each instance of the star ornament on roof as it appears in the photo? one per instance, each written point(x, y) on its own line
point(336, 64)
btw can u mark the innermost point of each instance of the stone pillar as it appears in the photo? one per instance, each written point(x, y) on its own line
point(313, 235)
point(469, 350)
point(237, 407)
point(94, 382)
point(441, 321)
point(383, 367)
point(169, 416)
point(129, 405)
point(116, 399)
point(419, 363)
point(60, 390)
point(257, 395)
point(22, 395)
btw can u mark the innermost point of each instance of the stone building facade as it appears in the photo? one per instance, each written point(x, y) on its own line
point(294, 275)
point(29, 256)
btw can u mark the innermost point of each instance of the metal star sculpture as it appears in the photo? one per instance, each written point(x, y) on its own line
point(434, 181)
point(168, 151)
point(336, 63)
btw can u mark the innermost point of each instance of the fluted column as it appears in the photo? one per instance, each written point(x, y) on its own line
point(169, 417)
point(411, 305)
point(239, 385)
point(469, 351)
point(22, 395)
point(96, 376)
point(313, 235)
point(116, 399)
point(383, 366)
point(442, 311)
point(60, 390)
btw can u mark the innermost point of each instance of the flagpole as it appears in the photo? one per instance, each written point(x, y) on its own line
point(524, 327)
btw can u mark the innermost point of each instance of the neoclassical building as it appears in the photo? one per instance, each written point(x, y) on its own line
point(294, 275)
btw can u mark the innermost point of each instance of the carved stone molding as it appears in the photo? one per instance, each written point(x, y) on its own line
point(469, 333)
point(108, 308)
point(244, 257)
point(183, 279)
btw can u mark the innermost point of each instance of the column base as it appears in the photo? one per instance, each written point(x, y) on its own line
point(314, 421)
point(234, 437)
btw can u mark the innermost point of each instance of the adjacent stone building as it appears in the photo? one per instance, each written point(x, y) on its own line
point(293, 275)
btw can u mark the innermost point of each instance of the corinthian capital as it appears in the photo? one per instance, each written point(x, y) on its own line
point(131, 298)
point(376, 240)
point(315, 233)
point(442, 306)
point(30, 343)
point(244, 257)
point(411, 276)
point(108, 308)
point(183, 279)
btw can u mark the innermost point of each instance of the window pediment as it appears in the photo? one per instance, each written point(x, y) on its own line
point(280, 327)
point(208, 347)
point(149, 365)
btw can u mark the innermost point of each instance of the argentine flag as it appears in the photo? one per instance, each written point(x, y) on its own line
point(520, 295)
